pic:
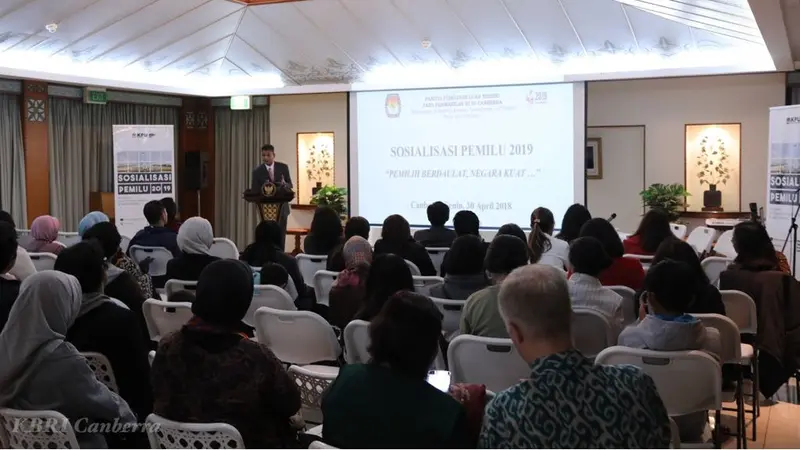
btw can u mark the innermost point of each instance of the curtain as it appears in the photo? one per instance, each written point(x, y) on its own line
point(12, 160)
point(238, 137)
point(81, 150)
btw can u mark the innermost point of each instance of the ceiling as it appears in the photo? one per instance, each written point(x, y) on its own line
point(223, 47)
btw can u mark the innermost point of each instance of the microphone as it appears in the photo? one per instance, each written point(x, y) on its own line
point(754, 212)
point(612, 217)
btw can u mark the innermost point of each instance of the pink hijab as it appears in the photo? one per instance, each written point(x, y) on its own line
point(44, 231)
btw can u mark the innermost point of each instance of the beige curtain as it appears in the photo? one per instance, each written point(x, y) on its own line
point(238, 137)
point(12, 160)
point(81, 150)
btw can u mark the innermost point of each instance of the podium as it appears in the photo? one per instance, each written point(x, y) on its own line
point(270, 199)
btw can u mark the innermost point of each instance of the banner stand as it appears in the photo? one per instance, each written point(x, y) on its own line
point(783, 176)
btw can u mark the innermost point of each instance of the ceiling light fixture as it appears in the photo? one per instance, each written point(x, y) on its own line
point(426, 44)
point(51, 27)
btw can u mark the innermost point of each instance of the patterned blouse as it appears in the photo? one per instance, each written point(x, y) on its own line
point(143, 279)
point(571, 403)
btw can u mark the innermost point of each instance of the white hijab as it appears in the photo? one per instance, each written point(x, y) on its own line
point(195, 236)
point(47, 305)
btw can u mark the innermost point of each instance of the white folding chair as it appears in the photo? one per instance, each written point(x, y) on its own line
point(160, 256)
point(423, 283)
point(356, 342)
point(670, 372)
point(161, 322)
point(724, 245)
point(493, 362)
point(43, 261)
point(23, 232)
point(628, 295)
point(297, 337)
point(173, 286)
point(591, 331)
point(309, 265)
point(102, 369)
point(645, 260)
point(713, 266)
point(224, 248)
point(35, 429)
point(68, 238)
point(414, 269)
point(124, 243)
point(323, 281)
point(679, 230)
point(451, 310)
point(320, 445)
point(437, 257)
point(702, 238)
point(164, 433)
point(675, 434)
point(271, 297)
point(311, 384)
point(622, 235)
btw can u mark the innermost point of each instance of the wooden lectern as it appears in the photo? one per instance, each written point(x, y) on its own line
point(270, 199)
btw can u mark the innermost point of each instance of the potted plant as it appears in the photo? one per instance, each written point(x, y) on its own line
point(332, 197)
point(671, 198)
point(712, 169)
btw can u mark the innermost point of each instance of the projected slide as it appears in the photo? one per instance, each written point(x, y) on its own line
point(498, 151)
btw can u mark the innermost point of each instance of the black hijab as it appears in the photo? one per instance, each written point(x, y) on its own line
point(224, 293)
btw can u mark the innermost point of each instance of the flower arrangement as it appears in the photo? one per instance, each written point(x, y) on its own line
point(712, 162)
point(319, 165)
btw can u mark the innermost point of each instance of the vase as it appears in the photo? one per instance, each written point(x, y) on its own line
point(316, 189)
point(712, 199)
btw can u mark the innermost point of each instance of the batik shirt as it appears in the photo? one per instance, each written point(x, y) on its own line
point(568, 402)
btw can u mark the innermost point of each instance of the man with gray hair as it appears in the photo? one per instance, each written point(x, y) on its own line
point(567, 402)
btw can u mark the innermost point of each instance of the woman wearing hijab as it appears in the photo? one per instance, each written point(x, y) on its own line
point(108, 236)
point(44, 233)
point(105, 325)
point(195, 238)
point(268, 247)
point(249, 388)
point(350, 288)
point(39, 370)
point(90, 220)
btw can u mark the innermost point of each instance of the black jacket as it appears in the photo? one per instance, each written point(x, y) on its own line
point(187, 267)
point(125, 289)
point(261, 175)
point(435, 237)
point(409, 250)
point(9, 290)
point(314, 246)
point(156, 237)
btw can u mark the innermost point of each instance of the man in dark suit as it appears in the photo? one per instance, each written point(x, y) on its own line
point(275, 172)
point(437, 235)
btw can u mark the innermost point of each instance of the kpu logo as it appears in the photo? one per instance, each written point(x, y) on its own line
point(143, 135)
point(536, 98)
point(393, 106)
point(793, 120)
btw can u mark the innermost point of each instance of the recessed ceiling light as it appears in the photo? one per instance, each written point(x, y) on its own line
point(426, 43)
point(51, 27)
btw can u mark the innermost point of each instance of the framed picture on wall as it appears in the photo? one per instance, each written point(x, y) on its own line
point(314, 164)
point(594, 159)
point(713, 166)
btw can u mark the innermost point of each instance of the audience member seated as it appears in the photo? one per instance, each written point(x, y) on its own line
point(269, 248)
point(172, 211)
point(624, 271)
point(465, 274)
point(272, 274)
point(249, 389)
point(588, 259)
point(388, 402)
point(513, 230)
point(23, 266)
point(567, 402)
point(464, 222)
point(437, 235)
point(396, 238)
point(44, 234)
point(325, 232)
point(156, 234)
point(90, 220)
point(480, 316)
point(356, 226)
point(9, 286)
point(349, 290)
point(654, 229)
point(554, 252)
point(706, 297)
point(195, 239)
point(108, 236)
point(107, 326)
point(41, 371)
point(388, 274)
point(665, 326)
point(574, 218)
point(754, 249)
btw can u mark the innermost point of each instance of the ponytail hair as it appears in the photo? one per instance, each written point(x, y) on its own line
point(538, 242)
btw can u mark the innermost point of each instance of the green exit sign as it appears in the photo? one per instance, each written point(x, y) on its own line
point(95, 96)
point(240, 102)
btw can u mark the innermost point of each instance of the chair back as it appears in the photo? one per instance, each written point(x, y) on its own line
point(493, 362)
point(102, 369)
point(423, 283)
point(43, 261)
point(320, 445)
point(741, 308)
point(68, 238)
point(309, 265)
point(675, 434)
point(591, 331)
point(356, 342)
point(645, 260)
point(724, 245)
point(271, 297)
point(35, 429)
point(414, 269)
point(124, 242)
point(702, 239)
point(629, 313)
point(622, 235)
point(173, 286)
point(451, 310)
point(323, 281)
point(224, 248)
point(730, 340)
point(713, 266)
point(160, 321)
point(23, 232)
point(297, 337)
point(679, 230)
point(312, 385)
point(160, 255)
point(151, 355)
point(670, 372)
point(437, 257)
point(163, 433)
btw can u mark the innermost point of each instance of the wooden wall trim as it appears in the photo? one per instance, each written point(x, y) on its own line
point(35, 117)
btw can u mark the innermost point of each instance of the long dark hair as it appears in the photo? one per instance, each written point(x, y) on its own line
point(539, 242)
point(388, 274)
point(603, 231)
point(753, 245)
point(396, 230)
point(653, 230)
point(267, 244)
point(678, 250)
point(326, 226)
point(573, 220)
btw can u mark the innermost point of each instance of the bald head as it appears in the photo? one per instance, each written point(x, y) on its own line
point(535, 300)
